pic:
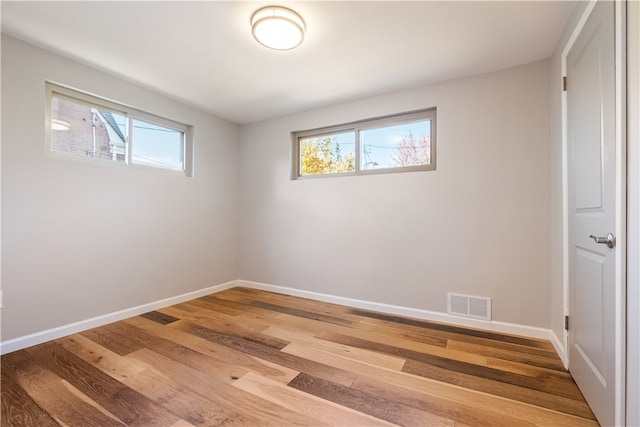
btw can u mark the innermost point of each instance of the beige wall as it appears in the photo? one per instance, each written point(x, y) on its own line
point(480, 224)
point(81, 239)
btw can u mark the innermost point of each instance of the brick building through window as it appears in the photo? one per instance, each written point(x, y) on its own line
point(88, 131)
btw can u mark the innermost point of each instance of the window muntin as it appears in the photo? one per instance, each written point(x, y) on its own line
point(84, 125)
point(399, 143)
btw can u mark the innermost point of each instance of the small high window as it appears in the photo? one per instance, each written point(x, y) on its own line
point(400, 143)
point(92, 127)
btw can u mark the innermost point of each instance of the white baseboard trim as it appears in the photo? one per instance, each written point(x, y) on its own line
point(501, 327)
point(83, 325)
point(560, 349)
point(73, 328)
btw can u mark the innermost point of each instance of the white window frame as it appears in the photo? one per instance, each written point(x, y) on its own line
point(76, 96)
point(356, 127)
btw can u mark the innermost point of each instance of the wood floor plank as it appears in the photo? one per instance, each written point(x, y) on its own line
point(109, 362)
point(159, 317)
point(298, 323)
point(543, 357)
point(499, 388)
point(413, 384)
point(284, 374)
point(235, 307)
point(181, 353)
point(416, 385)
point(245, 333)
point(319, 307)
point(464, 396)
point(49, 392)
point(319, 409)
point(114, 342)
point(403, 345)
point(303, 313)
point(214, 305)
point(463, 334)
point(512, 339)
point(377, 359)
point(243, 306)
point(510, 354)
point(227, 363)
point(18, 408)
point(456, 411)
point(191, 406)
point(267, 304)
point(127, 405)
point(468, 407)
point(203, 315)
point(187, 306)
point(238, 407)
point(348, 364)
point(246, 357)
point(548, 385)
point(374, 405)
point(528, 370)
point(290, 323)
point(270, 354)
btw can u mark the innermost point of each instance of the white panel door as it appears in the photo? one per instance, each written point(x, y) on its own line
point(591, 159)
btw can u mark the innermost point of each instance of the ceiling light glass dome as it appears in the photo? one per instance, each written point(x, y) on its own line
point(277, 27)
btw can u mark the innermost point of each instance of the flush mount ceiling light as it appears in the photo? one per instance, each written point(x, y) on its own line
point(277, 27)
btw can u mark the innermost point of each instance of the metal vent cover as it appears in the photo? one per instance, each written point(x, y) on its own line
point(469, 306)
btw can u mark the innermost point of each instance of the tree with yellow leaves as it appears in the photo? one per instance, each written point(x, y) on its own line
point(322, 155)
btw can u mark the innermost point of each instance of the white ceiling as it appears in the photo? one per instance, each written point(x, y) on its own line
point(203, 53)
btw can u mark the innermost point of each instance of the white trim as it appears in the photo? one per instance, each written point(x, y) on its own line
point(83, 325)
point(560, 349)
point(633, 219)
point(621, 210)
point(58, 91)
point(502, 327)
point(428, 114)
point(620, 220)
point(565, 175)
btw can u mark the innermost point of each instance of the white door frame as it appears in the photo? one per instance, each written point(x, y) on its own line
point(633, 219)
point(621, 199)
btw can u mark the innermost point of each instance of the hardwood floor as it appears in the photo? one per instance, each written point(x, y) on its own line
point(244, 357)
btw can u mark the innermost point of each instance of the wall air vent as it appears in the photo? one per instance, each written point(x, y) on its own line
point(469, 306)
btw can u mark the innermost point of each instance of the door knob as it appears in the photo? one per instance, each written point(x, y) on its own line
point(609, 240)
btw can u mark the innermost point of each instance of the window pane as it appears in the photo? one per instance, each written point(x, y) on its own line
point(332, 153)
point(87, 131)
point(156, 145)
point(395, 146)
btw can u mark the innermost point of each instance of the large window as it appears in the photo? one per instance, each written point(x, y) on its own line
point(84, 125)
point(400, 143)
